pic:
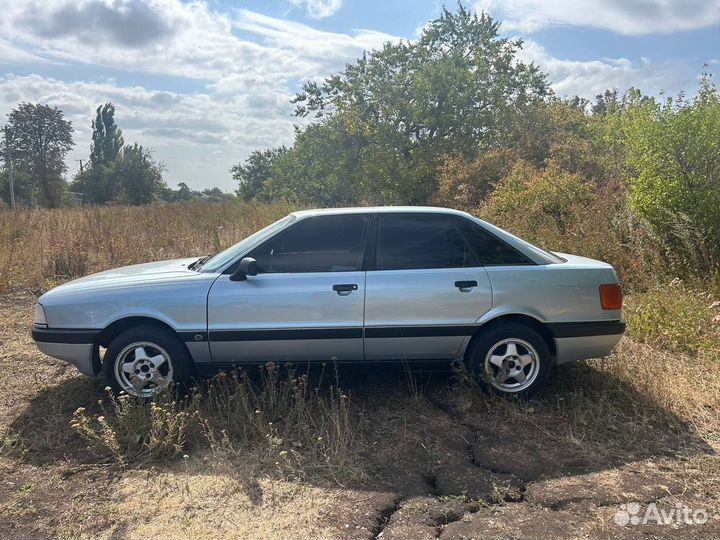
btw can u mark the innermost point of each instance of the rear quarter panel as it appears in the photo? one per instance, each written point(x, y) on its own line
point(564, 292)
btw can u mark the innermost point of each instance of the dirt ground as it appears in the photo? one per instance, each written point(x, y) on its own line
point(438, 461)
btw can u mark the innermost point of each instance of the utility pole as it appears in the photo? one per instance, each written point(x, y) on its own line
point(82, 175)
point(9, 164)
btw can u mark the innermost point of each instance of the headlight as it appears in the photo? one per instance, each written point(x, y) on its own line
point(40, 319)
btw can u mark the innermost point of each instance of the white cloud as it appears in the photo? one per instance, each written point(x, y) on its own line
point(631, 17)
point(249, 64)
point(318, 9)
point(589, 78)
point(177, 38)
point(182, 129)
point(10, 54)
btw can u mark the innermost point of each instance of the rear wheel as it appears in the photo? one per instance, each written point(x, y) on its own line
point(144, 360)
point(511, 359)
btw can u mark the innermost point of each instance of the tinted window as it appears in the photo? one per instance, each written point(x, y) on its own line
point(421, 241)
point(321, 244)
point(489, 250)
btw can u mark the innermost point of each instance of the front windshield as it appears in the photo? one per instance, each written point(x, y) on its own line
point(217, 262)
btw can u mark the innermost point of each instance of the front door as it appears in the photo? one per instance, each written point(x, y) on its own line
point(305, 304)
point(426, 290)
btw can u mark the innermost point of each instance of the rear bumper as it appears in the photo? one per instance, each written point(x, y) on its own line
point(578, 341)
point(74, 346)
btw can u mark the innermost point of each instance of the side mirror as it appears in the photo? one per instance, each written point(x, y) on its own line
point(247, 267)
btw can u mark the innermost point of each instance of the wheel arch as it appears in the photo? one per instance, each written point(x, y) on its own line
point(117, 327)
point(518, 318)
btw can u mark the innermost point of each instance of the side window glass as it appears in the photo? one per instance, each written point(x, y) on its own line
point(489, 250)
point(412, 241)
point(319, 244)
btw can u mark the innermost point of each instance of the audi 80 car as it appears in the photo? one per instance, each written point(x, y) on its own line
point(341, 285)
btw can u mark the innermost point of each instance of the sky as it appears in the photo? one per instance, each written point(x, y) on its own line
point(203, 83)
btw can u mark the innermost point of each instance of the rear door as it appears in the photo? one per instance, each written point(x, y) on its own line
point(425, 290)
point(305, 304)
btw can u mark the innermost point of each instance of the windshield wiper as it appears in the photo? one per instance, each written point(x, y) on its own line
point(202, 260)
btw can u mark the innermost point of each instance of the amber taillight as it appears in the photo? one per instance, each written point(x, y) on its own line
point(611, 296)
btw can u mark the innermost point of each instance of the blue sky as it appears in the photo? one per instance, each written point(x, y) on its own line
point(205, 82)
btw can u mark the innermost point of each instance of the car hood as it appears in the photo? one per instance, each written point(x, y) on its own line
point(137, 274)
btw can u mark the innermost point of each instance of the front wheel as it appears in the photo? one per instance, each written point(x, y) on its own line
point(144, 360)
point(511, 359)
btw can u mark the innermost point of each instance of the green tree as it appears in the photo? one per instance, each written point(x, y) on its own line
point(407, 106)
point(184, 193)
point(673, 153)
point(319, 169)
point(138, 175)
point(107, 139)
point(252, 174)
point(39, 139)
point(98, 183)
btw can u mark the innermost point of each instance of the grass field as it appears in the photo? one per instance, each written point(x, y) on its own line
point(374, 453)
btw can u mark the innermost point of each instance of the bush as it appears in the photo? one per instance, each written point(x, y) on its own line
point(131, 429)
point(674, 159)
point(290, 426)
point(537, 195)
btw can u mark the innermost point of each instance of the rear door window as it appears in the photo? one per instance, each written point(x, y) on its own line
point(414, 241)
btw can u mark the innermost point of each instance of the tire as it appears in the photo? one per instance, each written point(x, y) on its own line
point(510, 359)
point(153, 358)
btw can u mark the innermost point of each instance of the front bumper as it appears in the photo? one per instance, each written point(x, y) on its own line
point(74, 346)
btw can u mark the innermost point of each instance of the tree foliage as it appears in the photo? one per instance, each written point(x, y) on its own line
point(107, 139)
point(254, 172)
point(39, 138)
point(138, 175)
point(382, 127)
point(673, 150)
point(118, 172)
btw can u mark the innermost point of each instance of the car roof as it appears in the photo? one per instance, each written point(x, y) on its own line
point(378, 210)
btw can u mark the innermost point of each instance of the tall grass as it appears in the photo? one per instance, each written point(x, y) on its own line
point(289, 425)
point(40, 248)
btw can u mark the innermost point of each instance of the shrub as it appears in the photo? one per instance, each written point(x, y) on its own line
point(674, 159)
point(536, 195)
point(290, 426)
point(131, 429)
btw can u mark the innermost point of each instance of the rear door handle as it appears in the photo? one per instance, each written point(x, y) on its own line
point(343, 289)
point(466, 286)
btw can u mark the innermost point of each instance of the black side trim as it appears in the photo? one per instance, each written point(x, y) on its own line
point(64, 335)
point(193, 336)
point(286, 334)
point(583, 329)
point(418, 331)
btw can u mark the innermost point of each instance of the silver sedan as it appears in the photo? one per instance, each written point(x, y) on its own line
point(341, 285)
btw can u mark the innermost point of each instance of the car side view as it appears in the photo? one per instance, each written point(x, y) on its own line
point(341, 285)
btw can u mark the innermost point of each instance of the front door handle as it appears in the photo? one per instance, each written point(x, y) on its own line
point(343, 289)
point(466, 286)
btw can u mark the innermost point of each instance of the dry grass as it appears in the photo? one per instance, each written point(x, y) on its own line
point(41, 248)
point(676, 317)
point(292, 426)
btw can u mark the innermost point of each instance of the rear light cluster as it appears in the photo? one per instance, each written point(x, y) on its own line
point(611, 296)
